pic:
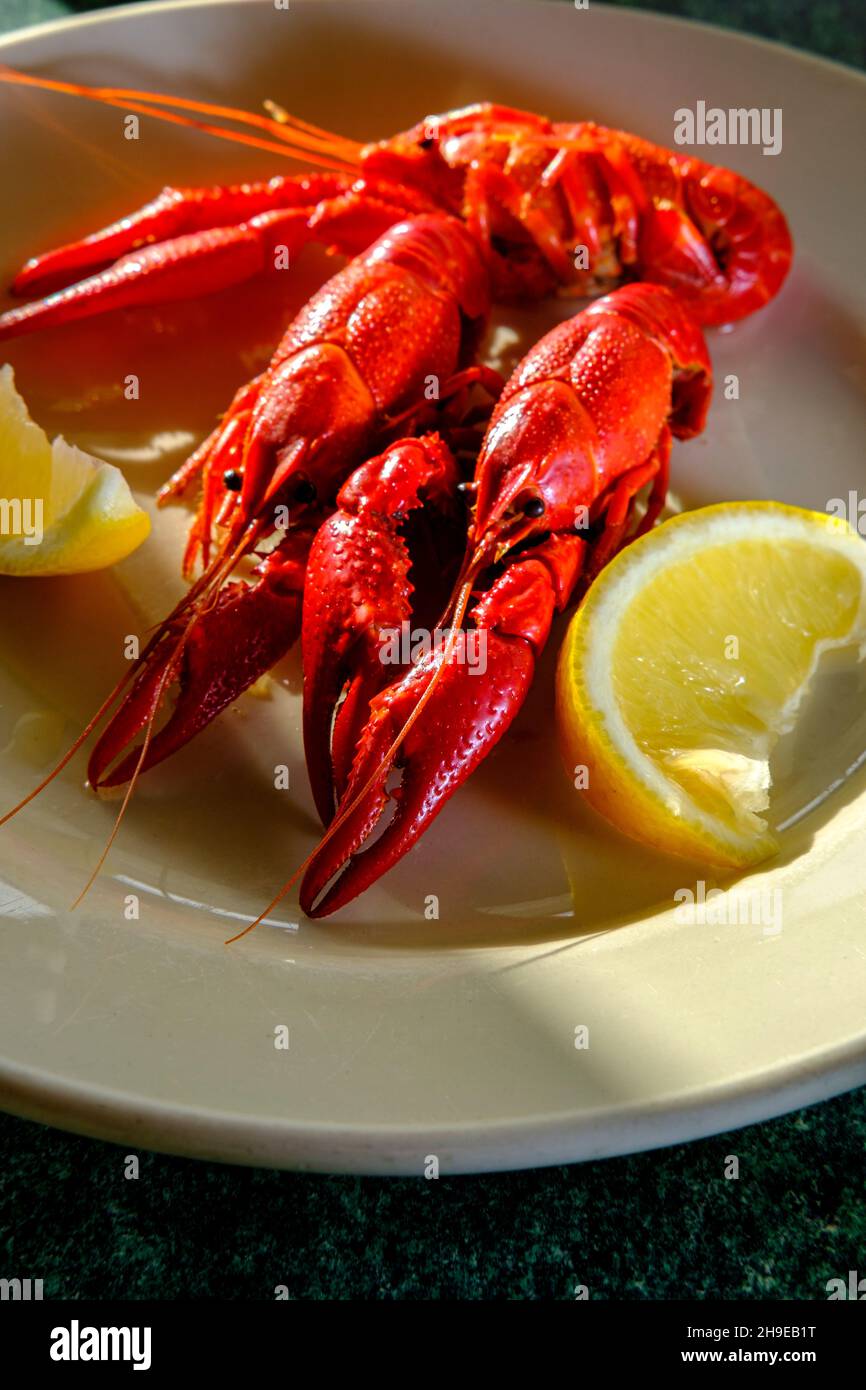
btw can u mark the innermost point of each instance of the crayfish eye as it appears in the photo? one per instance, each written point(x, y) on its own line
point(233, 480)
point(305, 491)
point(426, 142)
point(534, 507)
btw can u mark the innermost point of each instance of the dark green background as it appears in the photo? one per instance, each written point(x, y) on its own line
point(656, 1226)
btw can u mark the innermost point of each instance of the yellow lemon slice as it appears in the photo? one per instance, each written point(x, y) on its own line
point(61, 510)
point(689, 658)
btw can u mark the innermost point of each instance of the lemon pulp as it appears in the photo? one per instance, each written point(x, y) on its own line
point(61, 510)
point(690, 657)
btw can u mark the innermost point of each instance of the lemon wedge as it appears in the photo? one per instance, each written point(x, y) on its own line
point(689, 658)
point(61, 510)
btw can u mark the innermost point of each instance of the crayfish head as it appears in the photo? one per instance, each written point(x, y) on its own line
point(435, 154)
point(463, 160)
point(536, 465)
point(414, 158)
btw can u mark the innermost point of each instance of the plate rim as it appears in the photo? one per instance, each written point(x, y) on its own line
point(531, 1142)
point(498, 1146)
point(111, 13)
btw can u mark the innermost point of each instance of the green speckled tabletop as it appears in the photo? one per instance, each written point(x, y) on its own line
point(663, 1225)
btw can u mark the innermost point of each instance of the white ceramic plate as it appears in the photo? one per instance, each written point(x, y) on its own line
point(408, 1037)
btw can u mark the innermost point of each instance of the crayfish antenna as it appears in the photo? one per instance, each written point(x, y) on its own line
point(82, 738)
point(170, 667)
point(208, 582)
point(71, 751)
point(221, 566)
point(463, 593)
point(291, 137)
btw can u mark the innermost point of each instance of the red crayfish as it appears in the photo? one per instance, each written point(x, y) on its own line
point(552, 205)
point(348, 374)
point(584, 423)
point(472, 206)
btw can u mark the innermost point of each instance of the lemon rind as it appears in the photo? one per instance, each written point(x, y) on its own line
point(591, 707)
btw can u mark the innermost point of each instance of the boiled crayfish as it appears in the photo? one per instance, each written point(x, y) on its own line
point(584, 423)
point(348, 374)
point(552, 205)
point(476, 205)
